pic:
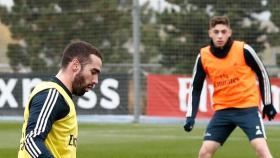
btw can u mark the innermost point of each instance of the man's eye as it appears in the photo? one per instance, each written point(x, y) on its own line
point(93, 72)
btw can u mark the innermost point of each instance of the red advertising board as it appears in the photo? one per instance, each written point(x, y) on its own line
point(167, 95)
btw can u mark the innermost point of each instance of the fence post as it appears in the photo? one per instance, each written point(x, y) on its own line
point(136, 61)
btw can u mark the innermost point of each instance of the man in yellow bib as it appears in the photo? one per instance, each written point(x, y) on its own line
point(232, 67)
point(50, 126)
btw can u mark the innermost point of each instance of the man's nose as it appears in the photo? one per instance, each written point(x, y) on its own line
point(95, 80)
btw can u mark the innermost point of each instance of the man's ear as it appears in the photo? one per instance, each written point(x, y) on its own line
point(209, 33)
point(230, 32)
point(76, 66)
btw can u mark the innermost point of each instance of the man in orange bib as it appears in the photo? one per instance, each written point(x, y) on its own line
point(234, 68)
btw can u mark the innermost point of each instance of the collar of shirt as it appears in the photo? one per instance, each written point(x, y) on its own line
point(218, 52)
point(56, 80)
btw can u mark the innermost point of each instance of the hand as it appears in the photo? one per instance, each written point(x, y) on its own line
point(189, 124)
point(269, 111)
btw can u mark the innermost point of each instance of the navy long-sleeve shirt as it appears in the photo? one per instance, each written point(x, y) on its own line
point(43, 112)
point(252, 60)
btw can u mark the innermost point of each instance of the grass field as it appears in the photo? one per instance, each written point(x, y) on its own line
point(143, 141)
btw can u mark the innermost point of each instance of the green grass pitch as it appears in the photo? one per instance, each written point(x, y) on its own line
point(143, 141)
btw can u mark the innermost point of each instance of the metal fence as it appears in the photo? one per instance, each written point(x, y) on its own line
point(137, 38)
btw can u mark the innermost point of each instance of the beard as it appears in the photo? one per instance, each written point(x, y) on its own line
point(79, 85)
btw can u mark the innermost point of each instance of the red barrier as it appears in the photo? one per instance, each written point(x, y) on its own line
point(167, 95)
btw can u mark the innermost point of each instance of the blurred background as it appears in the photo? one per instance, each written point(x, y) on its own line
point(149, 48)
point(143, 43)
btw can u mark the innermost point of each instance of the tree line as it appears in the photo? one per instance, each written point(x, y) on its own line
point(169, 38)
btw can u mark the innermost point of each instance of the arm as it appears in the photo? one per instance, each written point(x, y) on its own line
point(257, 66)
point(197, 85)
point(45, 108)
point(196, 88)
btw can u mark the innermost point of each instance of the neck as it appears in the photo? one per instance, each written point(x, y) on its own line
point(64, 78)
point(221, 52)
point(221, 47)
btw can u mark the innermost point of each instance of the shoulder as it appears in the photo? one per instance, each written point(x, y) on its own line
point(238, 45)
point(49, 98)
point(205, 48)
point(204, 52)
point(47, 94)
point(249, 52)
point(248, 48)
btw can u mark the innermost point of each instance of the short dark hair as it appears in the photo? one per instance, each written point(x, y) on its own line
point(80, 50)
point(219, 20)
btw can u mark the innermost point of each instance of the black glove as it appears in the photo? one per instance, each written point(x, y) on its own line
point(189, 124)
point(269, 111)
